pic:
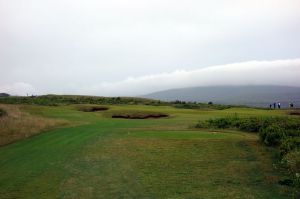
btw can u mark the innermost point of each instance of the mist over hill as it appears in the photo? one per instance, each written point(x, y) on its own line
point(259, 96)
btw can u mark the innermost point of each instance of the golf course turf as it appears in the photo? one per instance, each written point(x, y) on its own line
point(96, 156)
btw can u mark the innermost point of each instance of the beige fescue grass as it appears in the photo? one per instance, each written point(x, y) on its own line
point(16, 124)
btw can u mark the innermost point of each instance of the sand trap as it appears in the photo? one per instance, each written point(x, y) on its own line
point(139, 116)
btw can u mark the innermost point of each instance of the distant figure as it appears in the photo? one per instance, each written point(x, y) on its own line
point(279, 105)
point(274, 105)
point(270, 106)
point(291, 105)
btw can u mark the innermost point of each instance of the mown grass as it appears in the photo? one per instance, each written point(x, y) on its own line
point(101, 157)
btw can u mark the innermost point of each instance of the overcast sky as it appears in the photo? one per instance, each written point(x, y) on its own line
point(133, 47)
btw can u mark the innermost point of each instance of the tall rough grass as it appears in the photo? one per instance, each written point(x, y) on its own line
point(16, 124)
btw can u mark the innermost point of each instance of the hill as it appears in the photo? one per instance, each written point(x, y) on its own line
point(4, 95)
point(259, 96)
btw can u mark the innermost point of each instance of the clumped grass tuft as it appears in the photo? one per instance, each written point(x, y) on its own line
point(16, 124)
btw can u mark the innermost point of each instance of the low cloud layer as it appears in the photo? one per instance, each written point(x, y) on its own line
point(279, 72)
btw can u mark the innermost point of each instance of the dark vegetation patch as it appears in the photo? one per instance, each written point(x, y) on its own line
point(2, 112)
point(92, 108)
point(195, 105)
point(281, 133)
point(139, 115)
point(55, 100)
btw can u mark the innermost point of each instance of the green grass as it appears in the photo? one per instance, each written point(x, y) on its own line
point(100, 157)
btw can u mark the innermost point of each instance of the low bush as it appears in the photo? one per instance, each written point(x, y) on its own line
point(292, 160)
point(272, 135)
point(202, 124)
point(289, 144)
point(249, 124)
point(220, 123)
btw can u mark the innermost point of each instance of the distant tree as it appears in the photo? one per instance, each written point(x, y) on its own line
point(210, 103)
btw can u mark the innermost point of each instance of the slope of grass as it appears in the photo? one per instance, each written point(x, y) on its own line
point(101, 157)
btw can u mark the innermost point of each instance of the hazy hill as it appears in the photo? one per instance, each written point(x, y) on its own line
point(260, 96)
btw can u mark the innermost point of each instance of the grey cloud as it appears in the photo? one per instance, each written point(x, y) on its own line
point(278, 72)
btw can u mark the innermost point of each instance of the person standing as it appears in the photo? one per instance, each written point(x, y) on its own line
point(274, 105)
point(279, 105)
point(270, 106)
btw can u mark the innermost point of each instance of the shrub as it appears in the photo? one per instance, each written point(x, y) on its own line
point(272, 135)
point(201, 124)
point(249, 124)
point(289, 144)
point(292, 161)
point(220, 123)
